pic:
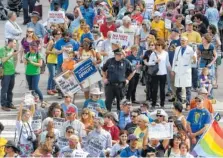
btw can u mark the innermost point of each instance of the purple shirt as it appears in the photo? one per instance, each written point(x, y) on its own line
point(25, 44)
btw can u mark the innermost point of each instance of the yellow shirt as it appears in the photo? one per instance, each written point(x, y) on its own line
point(79, 33)
point(193, 37)
point(3, 141)
point(159, 27)
point(52, 59)
point(140, 134)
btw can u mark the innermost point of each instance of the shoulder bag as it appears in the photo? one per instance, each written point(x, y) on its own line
point(153, 69)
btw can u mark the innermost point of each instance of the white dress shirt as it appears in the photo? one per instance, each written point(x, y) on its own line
point(12, 30)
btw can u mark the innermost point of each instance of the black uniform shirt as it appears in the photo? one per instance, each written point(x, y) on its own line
point(117, 71)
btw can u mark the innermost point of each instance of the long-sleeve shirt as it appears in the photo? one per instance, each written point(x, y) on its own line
point(88, 14)
point(38, 28)
point(12, 30)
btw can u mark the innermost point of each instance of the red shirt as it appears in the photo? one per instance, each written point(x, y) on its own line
point(114, 131)
point(104, 29)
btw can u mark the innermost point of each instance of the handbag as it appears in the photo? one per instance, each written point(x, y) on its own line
point(153, 69)
point(38, 8)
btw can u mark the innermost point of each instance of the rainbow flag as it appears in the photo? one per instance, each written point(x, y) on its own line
point(211, 143)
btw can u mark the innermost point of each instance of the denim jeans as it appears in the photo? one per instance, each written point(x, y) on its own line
point(179, 94)
point(194, 78)
point(52, 73)
point(7, 84)
point(169, 82)
point(28, 6)
point(33, 81)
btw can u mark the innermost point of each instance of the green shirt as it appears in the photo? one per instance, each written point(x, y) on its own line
point(9, 65)
point(30, 68)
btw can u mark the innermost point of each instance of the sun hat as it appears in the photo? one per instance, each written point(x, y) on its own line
point(35, 14)
point(96, 91)
point(159, 112)
point(112, 115)
point(13, 145)
point(200, 97)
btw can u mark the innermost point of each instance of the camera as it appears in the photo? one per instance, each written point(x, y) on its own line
point(30, 138)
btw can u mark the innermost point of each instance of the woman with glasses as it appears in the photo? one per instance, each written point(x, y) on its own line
point(122, 144)
point(51, 60)
point(148, 79)
point(160, 57)
point(30, 37)
point(87, 119)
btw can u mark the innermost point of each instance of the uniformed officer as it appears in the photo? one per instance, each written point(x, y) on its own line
point(117, 72)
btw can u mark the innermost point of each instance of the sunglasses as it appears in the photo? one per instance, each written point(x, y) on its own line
point(198, 100)
point(159, 116)
point(71, 132)
point(51, 137)
point(84, 113)
point(134, 116)
point(95, 26)
point(29, 31)
point(69, 114)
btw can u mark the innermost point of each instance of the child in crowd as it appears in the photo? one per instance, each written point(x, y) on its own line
point(205, 80)
point(69, 63)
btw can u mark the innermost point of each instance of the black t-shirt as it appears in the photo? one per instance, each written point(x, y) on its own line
point(130, 127)
point(159, 150)
point(202, 29)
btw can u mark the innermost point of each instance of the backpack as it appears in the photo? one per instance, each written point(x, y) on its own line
point(43, 67)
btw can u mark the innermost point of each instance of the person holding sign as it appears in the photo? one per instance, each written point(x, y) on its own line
point(98, 140)
point(95, 104)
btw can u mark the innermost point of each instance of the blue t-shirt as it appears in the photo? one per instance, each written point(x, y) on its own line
point(171, 49)
point(127, 152)
point(124, 119)
point(88, 15)
point(59, 44)
point(198, 118)
point(86, 35)
point(92, 105)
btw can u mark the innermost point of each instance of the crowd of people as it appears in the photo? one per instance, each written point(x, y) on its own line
point(173, 48)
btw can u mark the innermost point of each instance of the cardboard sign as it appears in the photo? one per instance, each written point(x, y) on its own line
point(157, 131)
point(67, 83)
point(92, 107)
point(79, 153)
point(84, 70)
point(58, 123)
point(36, 123)
point(120, 38)
point(62, 142)
point(95, 147)
point(56, 17)
point(149, 6)
point(168, 24)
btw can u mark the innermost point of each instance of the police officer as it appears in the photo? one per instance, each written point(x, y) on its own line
point(117, 72)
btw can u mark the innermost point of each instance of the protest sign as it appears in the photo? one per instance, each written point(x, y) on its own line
point(79, 153)
point(56, 17)
point(161, 131)
point(95, 147)
point(36, 123)
point(62, 142)
point(67, 83)
point(168, 24)
point(92, 106)
point(120, 38)
point(86, 73)
point(58, 123)
point(149, 6)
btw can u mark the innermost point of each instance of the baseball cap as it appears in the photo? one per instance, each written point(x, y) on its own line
point(199, 97)
point(157, 14)
point(132, 137)
point(71, 110)
point(118, 51)
point(112, 115)
point(175, 30)
point(188, 22)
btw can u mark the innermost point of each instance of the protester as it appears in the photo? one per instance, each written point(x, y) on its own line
point(55, 110)
point(11, 150)
point(184, 150)
point(107, 26)
point(174, 147)
point(159, 116)
point(177, 110)
point(7, 55)
point(131, 126)
point(88, 13)
point(87, 119)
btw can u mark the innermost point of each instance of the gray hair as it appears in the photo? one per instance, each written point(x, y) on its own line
point(10, 14)
point(46, 122)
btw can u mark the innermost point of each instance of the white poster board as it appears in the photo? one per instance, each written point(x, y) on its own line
point(168, 24)
point(67, 83)
point(36, 123)
point(149, 6)
point(161, 131)
point(120, 38)
point(58, 123)
point(56, 17)
point(79, 153)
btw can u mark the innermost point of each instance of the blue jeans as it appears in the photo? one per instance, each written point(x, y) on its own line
point(63, 4)
point(28, 6)
point(195, 78)
point(168, 82)
point(188, 95)
point(52, 73)
point(7, 84)
point(33, 81)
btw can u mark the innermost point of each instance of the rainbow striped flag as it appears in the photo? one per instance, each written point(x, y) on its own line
point(211, 143)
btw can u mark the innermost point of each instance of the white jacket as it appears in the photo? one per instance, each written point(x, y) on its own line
point(12, 30)
point(182, 67)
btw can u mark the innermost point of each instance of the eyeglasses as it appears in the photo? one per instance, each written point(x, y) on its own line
point(159, 116)
point(51, 137)
point(71, 132)
point(134, 116)
point(96, 27)
point(84, 113)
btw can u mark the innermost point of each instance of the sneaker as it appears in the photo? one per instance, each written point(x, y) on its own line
point(49, 92)
point(11, 106)
point(5, 108)
point(55, 91)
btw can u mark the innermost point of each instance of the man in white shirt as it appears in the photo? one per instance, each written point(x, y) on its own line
point(13, 31)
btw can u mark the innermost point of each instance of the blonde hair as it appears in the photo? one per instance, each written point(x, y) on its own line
point(205, 70)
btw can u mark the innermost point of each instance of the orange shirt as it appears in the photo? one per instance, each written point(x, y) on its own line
point(207, 105)
point(68, 65)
